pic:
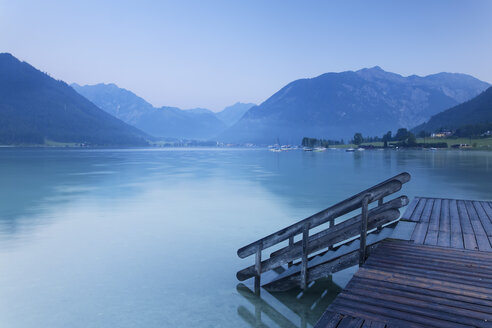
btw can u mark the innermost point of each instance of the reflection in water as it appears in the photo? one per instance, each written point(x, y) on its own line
point(292, 309)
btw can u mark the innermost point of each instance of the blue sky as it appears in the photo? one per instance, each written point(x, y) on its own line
point(214, 53)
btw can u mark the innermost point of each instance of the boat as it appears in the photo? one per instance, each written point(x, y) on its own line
point(350, 150)
point(276, 148)
point(319, 149)
point(307, 149)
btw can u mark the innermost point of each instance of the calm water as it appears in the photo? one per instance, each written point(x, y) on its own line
point(148, 238)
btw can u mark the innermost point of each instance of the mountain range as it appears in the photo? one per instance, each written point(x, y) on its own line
point(473, 112)
point(36, 109)
point(167, 122)
point(336, 105)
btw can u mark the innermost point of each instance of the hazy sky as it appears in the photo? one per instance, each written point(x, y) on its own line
point(214, 53)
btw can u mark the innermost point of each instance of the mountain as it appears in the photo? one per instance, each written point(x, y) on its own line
point(336, 105)
point(475, 111)
point(35, 108)
point(169, 122)
point(231, 114)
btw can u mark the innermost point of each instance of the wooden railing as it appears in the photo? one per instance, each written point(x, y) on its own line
point(358, 225)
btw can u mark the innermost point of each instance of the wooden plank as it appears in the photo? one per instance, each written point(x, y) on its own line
point(445, 222)
point(483, 217)
point(477, 265)
point(431, 237)
point(443, 286)
point(350, 322)
point(444, 237)
point(464, 218)
point(461, 254)
point(374, 324)
point(483, 242)
point(420, 232)
point(433, 229)
point(420, 308)
point(472, 304)
point(435, 215)
point(391, 316)
point(458, 275)
point(410, 209)
point(444, 276)
point(418, 235)
point(329, 320)
point(488, 208)
point(477, 226)
point(469, 240)
point(426, 214)
point(457, 240)
point(456, 232)
point(418, 210)
point(443, 264)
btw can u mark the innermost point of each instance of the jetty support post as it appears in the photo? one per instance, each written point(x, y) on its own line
point(363, 230)
point(380, 202)
point(258, 269)
point(291, 242)
point(304, 263)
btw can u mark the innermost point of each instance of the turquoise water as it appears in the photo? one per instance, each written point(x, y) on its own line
point(148, 238)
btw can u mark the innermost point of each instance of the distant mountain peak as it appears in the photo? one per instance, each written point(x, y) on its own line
point(475, 111)
point(35, 107)
point(165, 121)
point(231, 114)
point(372, 69)
point(8, 56)
point(336, 105)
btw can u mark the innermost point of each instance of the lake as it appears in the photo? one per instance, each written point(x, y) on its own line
point(148, 237)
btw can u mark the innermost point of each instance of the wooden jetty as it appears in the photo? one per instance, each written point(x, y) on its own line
point(431, 267)
point(437, 274)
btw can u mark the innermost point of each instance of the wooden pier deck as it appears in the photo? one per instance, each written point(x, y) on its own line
point(435, 272)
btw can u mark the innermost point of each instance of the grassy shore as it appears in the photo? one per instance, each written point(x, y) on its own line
point(482, 144)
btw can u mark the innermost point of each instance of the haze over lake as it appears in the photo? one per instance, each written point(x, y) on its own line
point(148, 237)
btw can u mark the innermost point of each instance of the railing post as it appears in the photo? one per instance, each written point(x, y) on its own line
point(363, 230)
point(332, 223)
point(380, 202)
point(258, 269)
point(304, 263)
point(291, 242)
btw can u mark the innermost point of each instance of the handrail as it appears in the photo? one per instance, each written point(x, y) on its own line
point(337, 234)
point(377, 216)
point(358, 225)
point(376, 192)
